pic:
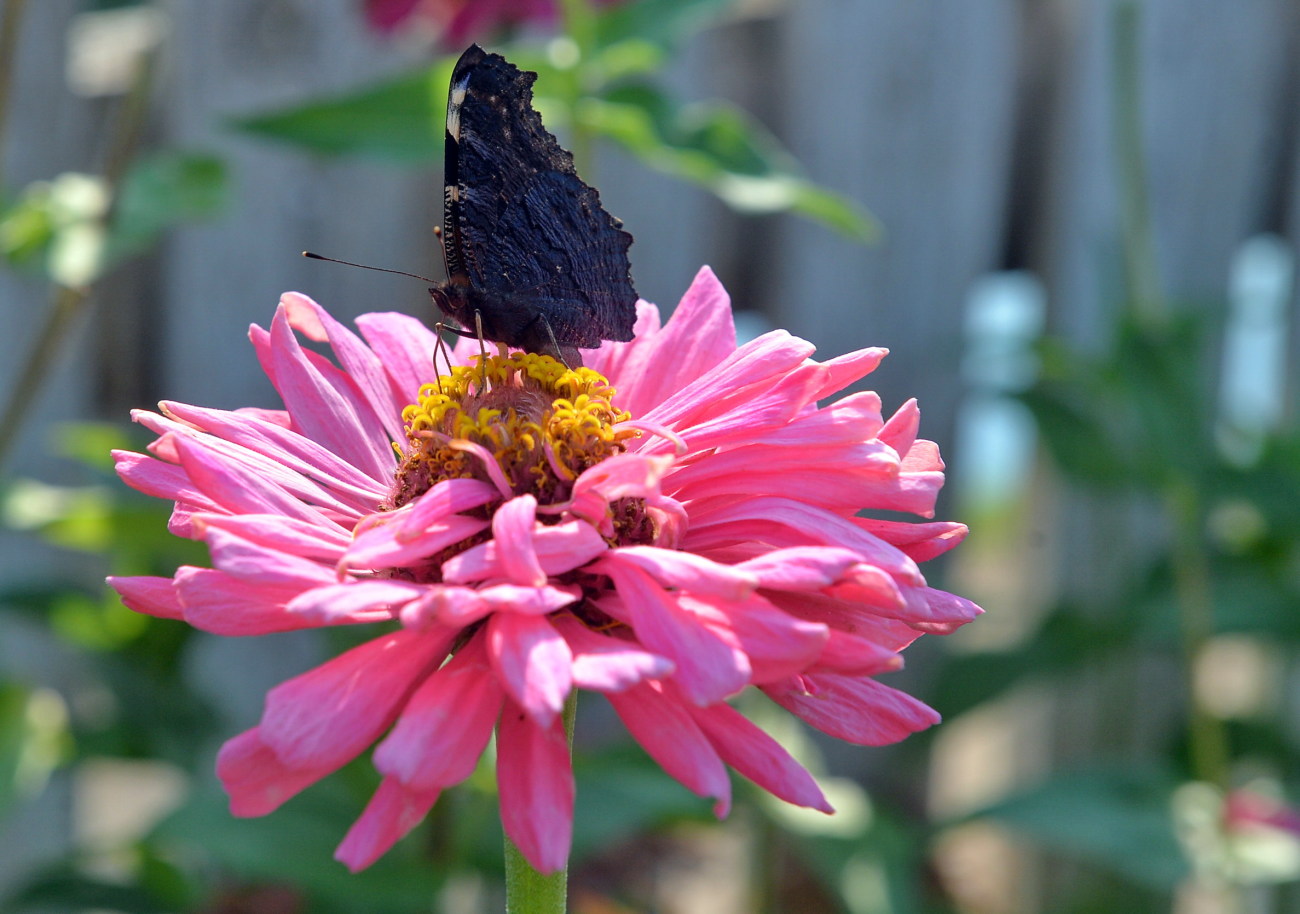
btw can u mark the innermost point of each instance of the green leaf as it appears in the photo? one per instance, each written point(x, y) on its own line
point(719, 147)
point(663, 22)
point(160, 192)
point(33, 740)
point(402, 119)
point(1120, 819)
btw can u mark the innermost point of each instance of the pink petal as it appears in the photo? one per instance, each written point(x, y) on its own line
point(854, 655)
point(920, 541)
point(671, 737)
point(224, 605)
point(856, 710)
point(161, 480)
point(328, 715)
point(362, 366)
point(843, 370)
point(390, 815)
point(532, 661)
point(768, 381)
point(535, 781)
point(355, 601)
point(698, 336)
point(606, 664)
point(405, 347)
point(775, 643)
point(303, 458)
point(758, 757)
point(257, 781)
point(446, 498)
point(841, 615)
point(710, 664)
point(386, 545)
point(242, 487)
point(622, 476)
point(686, 571)
point(149, 595)
point(513, 527)
point(559, 549)
point(801, 567)
point(445, 725)
point(258, 564)
point(325, 403)
point(299, 538)
point(783, 522)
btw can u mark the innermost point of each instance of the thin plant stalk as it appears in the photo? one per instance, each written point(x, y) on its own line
point(68, 303)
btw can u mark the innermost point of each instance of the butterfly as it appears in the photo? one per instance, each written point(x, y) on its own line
point(533, 259)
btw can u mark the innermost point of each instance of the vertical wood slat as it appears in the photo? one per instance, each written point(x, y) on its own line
point(926, 146)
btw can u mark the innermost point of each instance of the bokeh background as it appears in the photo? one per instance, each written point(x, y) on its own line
point(1073, 222)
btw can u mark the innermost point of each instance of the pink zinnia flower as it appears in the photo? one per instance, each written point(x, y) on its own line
point(459, 21)
point(668, 546)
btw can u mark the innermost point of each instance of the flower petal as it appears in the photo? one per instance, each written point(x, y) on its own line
point(535, 780)
point(255, 777)
point(606, 664)
point(532, 661)
point(149, 595)
point(699, 335)
point(390, 815)
point(445, 725)
point(757, 756)
point(853, 709)
point(559, 549)
point(667, 732)
point(329, 714)
point(710, 664)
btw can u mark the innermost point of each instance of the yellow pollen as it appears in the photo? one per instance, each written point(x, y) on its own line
point(542, 423)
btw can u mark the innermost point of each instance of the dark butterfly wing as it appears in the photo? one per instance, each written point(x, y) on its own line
point(521, 229)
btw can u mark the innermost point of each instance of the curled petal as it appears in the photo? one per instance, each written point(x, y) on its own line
point(757, 756)
point(445, 725)
point(392, 812)
point(686, 571)
point(856, 710)
point(257, 779)
point(710, 663)
point(535, 779)
point(606, 664)
point(149, 595)
point(512, 530)
point(532, 661)
point(559, 549)
point(329, 714)
point(354, 601)
point(667, 732)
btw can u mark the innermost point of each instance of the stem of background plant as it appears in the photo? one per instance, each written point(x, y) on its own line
point(10, 20)
point(580, 25)
point(67, 303)
point(527, 890)
point(1192, 588)
point(1209, 743)
point(1140, 267)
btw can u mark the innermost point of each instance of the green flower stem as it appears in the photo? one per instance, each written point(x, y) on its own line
point(1140, 267)
point(527, 890)
point(1195, 599)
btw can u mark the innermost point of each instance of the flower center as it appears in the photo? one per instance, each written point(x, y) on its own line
point(542, 424)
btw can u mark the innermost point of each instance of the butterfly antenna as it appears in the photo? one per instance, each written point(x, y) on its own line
point(442, 246)
point(348, 263)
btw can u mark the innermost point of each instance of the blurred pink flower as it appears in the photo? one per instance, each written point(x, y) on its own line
point(1245, 809)
point(460, 21)
point(694, 535)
